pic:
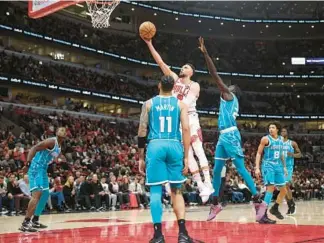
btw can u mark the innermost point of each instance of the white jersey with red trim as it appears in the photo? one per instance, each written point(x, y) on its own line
point(182, 92)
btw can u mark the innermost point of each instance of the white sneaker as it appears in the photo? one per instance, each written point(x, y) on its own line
point(113, 208)
point(210, 186)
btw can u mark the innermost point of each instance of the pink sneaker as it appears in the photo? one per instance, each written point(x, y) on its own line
point(214, 210)
point(260, 209)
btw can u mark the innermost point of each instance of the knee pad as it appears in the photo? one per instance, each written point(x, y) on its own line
point(45, 193)
point(219, 167)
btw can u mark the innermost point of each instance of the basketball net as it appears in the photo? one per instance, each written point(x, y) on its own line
point(100, 12)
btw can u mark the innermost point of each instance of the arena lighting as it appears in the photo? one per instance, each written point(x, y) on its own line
point(142, 62)
point(105, 95)
point(230, 19)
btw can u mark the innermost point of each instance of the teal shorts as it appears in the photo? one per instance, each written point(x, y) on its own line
point(164, 162)
point(273, 174)
point(38, 180)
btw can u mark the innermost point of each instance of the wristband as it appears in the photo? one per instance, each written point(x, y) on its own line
point(141, 142)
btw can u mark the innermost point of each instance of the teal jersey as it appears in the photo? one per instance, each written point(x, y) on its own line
point(44, 157)
point(164, 118)
point(228, 111)
point(273, 152)
point(287, 147)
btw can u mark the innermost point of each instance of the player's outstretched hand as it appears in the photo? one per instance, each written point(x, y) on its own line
point(185, 167)
point(202, 45)
point(141, 167)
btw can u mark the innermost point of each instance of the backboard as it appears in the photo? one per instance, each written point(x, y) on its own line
point(41, 8)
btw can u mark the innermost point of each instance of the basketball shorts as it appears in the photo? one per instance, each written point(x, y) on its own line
point(229, 146)
point(164, 162)
point(273, 174)
point(38, 180)
point(288, 177)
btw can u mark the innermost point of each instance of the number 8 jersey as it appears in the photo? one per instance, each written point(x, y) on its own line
point(273, 152)
point(164, 118)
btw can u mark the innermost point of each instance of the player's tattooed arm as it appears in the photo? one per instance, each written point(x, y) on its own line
point(226, 94)
point(158, 59)
point(297, 153)
point(142, 129)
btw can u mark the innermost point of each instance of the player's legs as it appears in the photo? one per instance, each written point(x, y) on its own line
point(156, 212)
point(220, 158)
point(197, 145)
point(279, 182)
point(176, 178)
point(268, 176)
point(289, 197)
point(156, 161)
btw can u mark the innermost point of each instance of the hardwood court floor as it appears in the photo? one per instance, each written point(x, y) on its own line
point(233, 225)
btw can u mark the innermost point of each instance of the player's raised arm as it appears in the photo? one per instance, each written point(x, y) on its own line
point(264, 142)
point(213, 71)
point(184, 118)
point(158, 59)
point(46, 144)
point(297, 153)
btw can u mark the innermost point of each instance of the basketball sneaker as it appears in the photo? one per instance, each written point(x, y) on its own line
point(291, 208)
point(260, 210)
point(214, 210)
point(275, 211)
point(204, 194)
point(38, 225)
point(184, 238)
point(158, 240)
point(266, 220)
point(27, 227)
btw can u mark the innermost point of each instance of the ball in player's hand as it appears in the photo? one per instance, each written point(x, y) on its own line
point(147, 30)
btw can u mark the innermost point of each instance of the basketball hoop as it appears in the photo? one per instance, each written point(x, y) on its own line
point(100, 12)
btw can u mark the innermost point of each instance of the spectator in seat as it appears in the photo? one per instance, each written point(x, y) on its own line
point(5, 196)
point(112, 198)
point(69, 192)
point(114, 189)
point(245, 190)
point(85, 192)
point(57, 192)
point(136, 188)
point(14, 189)
point(77, 185)
point(98, 193)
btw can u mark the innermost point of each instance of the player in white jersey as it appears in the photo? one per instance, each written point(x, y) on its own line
point(188, 91)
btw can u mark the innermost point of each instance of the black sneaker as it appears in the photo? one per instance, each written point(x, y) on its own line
point(27, 227)
point(274, 211)
point(158, 240)
point(38, 225)
point(266, 220)
point(184, 238)
point(291, 209)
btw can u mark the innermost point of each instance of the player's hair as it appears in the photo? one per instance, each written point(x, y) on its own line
point(277, 124)
point(167, 83)
point(286, 129)
point(192, 67)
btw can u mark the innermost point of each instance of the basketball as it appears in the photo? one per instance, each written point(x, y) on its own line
point(147, 30)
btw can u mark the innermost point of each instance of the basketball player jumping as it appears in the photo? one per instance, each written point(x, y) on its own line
point(188, 91)
point(229, 141)
point(163, 115)
point(291, 151)
point(38, 159)
point(273, 169)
